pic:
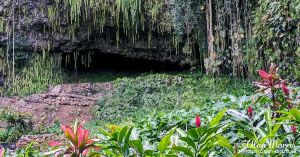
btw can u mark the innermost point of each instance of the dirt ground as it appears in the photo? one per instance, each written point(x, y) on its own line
point(63, 103)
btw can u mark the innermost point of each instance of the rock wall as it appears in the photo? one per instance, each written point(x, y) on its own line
point(34, 32)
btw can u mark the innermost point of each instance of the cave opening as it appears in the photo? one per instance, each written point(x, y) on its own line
point(81, 64)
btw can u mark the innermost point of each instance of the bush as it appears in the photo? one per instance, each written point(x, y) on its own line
point(16, 124)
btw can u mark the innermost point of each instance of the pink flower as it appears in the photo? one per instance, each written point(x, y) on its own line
point(294, 129)
point(198, 121)
point(250, 112)
point(54, 143)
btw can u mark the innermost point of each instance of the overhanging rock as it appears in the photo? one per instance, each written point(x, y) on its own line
point(34, 32)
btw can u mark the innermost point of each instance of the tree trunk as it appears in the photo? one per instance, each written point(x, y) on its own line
point(210, 61)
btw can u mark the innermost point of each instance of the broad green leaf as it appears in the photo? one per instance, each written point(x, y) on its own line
point(122, 134)
point(181, 132)
point(193, 133)
point(225, 143)
point(126, 140)
point(207, 147)
point(295, 113)
point(189, 141)
point(137, 144)
point(261, 132)
point(186, 151)
point(217, 118)
point(262, 122)
point(149, 153)
point(104, 132)
point(166, 141)
point(268, 120)
point(238, 115)
point(275, 129)
point(246, 133)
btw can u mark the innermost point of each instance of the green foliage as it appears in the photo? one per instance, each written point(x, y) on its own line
point(16, 124)
point(96, 76)
point(261, 130)
point(188, 17)
point(49, 129)
point(201, 141)
point(148, 93)
point(223, 132)
point(175, 141)
point(37, 75)
point(275, 38)
point(28, 151)
point(151, 126)
point(118, 142)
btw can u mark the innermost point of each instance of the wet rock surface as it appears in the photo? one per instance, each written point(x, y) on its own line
point(34, 32)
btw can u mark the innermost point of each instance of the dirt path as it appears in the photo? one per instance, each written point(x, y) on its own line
point(64, 103)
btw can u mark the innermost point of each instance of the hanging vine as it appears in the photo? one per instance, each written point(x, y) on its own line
point(276, 36)
point(127, 16)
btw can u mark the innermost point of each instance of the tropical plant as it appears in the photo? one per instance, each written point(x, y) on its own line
point(267, 128)
point(257, 131)
point(202, 141)
point(292, 119)
point(28, 151)
point(16, 124)
point(118, 142)
point(2, 152)
point(271, 84)
point(79, 140)
point(198, 141)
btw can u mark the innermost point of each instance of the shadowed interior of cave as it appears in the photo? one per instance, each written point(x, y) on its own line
point(117, 63)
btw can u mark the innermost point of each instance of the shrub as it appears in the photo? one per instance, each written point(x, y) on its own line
point(16, 124)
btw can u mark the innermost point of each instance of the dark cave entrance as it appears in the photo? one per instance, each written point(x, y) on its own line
point(81, 64)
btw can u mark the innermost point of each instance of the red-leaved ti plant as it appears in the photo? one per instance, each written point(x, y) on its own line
point(285, 90)
point(198, 121)
point(271, 83)
point(2, 152)
point(250, 112)
point(55, 144)
point(79, 140)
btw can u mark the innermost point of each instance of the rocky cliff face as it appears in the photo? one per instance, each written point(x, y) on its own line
point(33, 32)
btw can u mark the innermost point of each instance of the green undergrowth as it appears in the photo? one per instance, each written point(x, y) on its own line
point(132, 98)
point(13, 125)
point(161, 96)
point(96, 76)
